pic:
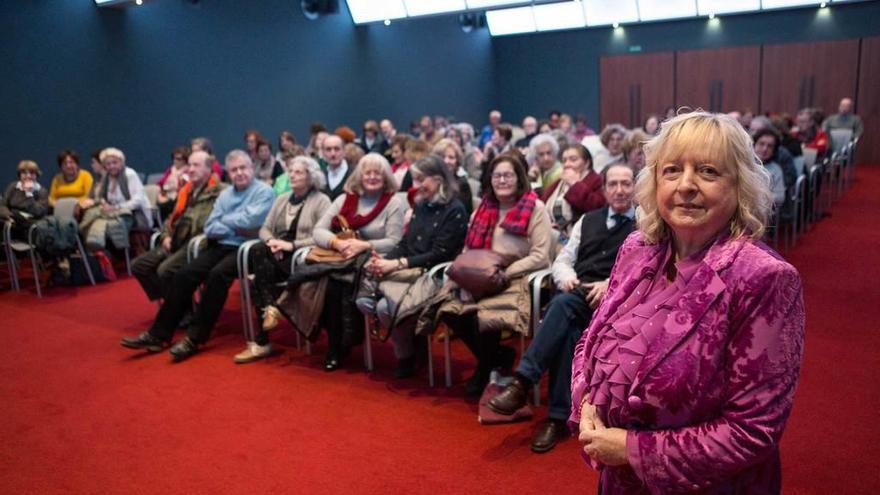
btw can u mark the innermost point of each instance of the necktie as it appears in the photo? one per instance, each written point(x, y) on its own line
point(619, 219)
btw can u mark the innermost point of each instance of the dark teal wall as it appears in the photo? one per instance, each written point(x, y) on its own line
point(536, 73)
point(148, 78)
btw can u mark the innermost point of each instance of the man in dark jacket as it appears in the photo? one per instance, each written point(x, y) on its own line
point(581, 274)
point(155, 269)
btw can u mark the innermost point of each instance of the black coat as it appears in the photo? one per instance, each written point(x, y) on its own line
point(435, 234)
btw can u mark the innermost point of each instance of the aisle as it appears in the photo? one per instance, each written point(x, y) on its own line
point(84, 415)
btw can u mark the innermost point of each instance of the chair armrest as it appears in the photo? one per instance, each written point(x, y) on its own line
point(439, 268)
point(299, 257)
point(193, 246)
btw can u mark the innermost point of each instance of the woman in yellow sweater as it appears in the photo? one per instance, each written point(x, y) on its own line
point(72, 182)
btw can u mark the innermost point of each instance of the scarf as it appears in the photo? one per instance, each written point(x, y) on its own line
point(350, 207)
point(121, 181)
point(515, 222)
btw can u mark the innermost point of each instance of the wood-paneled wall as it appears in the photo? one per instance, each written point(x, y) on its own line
point(761, 78)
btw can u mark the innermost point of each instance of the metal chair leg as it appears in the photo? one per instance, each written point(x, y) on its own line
point(368, 346)
point(430, 363)
point(128, 261)
point(85, 260)
point(36, 271)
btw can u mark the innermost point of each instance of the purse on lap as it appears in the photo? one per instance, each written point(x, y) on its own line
point(480, 272)
point(323, 255)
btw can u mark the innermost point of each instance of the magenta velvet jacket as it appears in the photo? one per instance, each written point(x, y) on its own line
point(709, 401)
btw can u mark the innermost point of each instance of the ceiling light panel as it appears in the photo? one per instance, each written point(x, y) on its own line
point(554, 16)
point(482, 4)
point(510, 21)
point(655, 10)
point(428, 7)
point(607, 12)
point(363, 11)
point(781, 4)
point(706, 7)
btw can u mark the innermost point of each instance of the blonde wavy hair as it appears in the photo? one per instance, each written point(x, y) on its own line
point(373, 161)
point(709, 138)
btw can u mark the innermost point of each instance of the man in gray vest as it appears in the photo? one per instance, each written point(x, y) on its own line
point(581, 274)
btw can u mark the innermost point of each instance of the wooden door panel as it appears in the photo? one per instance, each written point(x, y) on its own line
point(634, 86)
point(815, 74)
point(868, 101)
point(718, 80)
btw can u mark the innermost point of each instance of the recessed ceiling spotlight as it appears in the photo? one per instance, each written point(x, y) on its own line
point(387, 22)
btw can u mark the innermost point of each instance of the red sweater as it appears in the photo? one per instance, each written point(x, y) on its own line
point(583, 196)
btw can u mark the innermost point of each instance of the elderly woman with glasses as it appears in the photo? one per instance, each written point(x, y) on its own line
point(686, 375)
point(512, 224)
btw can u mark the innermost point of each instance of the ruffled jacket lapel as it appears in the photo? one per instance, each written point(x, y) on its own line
point(703, 289)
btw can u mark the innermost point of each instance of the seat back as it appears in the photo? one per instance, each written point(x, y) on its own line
point(65, 208)
point(153, 179)
point(799, 165)
point(840, 138)
point(810, 155)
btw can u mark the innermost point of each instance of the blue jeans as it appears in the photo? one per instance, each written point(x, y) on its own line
point(552, 349)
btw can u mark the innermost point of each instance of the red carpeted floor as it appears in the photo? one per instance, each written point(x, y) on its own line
point(83, 415)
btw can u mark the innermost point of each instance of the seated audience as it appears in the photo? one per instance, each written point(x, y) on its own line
point(427, 132)
point(282, 182)
point(370, 209)
point(173, 179)
point(530, 128)
point(577, 191)
point(119, 204)
point(252, 137)
point(581, 129)
point(489, 129)
point(451, 155)
point(580, 273)
point(156, 268)
point(609, 149)
point(72, 181)
point(810, 134)
point(633, 154)
point(512, 223)
point(24, 201)
point(463, 135)
point(352, 153)
point(287, 228)
point(388, 132)
point(651, 127)
point(317, 133)
point(204, 144)
point(237, 214)
point(766, 144)
point(500, 142)
point(338, 169)
point(399, 285)
point(265, 166)
point(543, 158)
point(844, 119)
point(397, 153)
point(286, 144)
point(371, 141)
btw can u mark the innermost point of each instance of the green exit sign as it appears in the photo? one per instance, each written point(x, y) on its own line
point(635, 48)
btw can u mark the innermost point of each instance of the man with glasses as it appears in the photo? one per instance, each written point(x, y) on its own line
point(581, 274)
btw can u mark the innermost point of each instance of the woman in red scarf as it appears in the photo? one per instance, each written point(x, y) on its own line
point(512, 222)
point(372, 210)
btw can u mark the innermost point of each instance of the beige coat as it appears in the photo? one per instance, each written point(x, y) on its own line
point(509, 310)
point(282, 213)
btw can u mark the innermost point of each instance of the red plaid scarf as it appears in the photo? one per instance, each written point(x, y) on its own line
point(516, 221)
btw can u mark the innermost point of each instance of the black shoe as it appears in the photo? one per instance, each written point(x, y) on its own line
point(333, 361)
point(406, 368)
point(183, 349)
point(143, 341)
point(511, 399)
point(477, 383)
point(548, 434)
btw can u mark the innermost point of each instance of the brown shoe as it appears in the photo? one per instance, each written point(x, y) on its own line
point(270, 318)
point(548, 434)
point(511, 399)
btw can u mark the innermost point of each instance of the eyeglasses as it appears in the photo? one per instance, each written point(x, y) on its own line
point(503, 177)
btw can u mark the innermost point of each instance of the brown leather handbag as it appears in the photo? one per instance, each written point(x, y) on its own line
point(480, 272)
point(323, 255)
